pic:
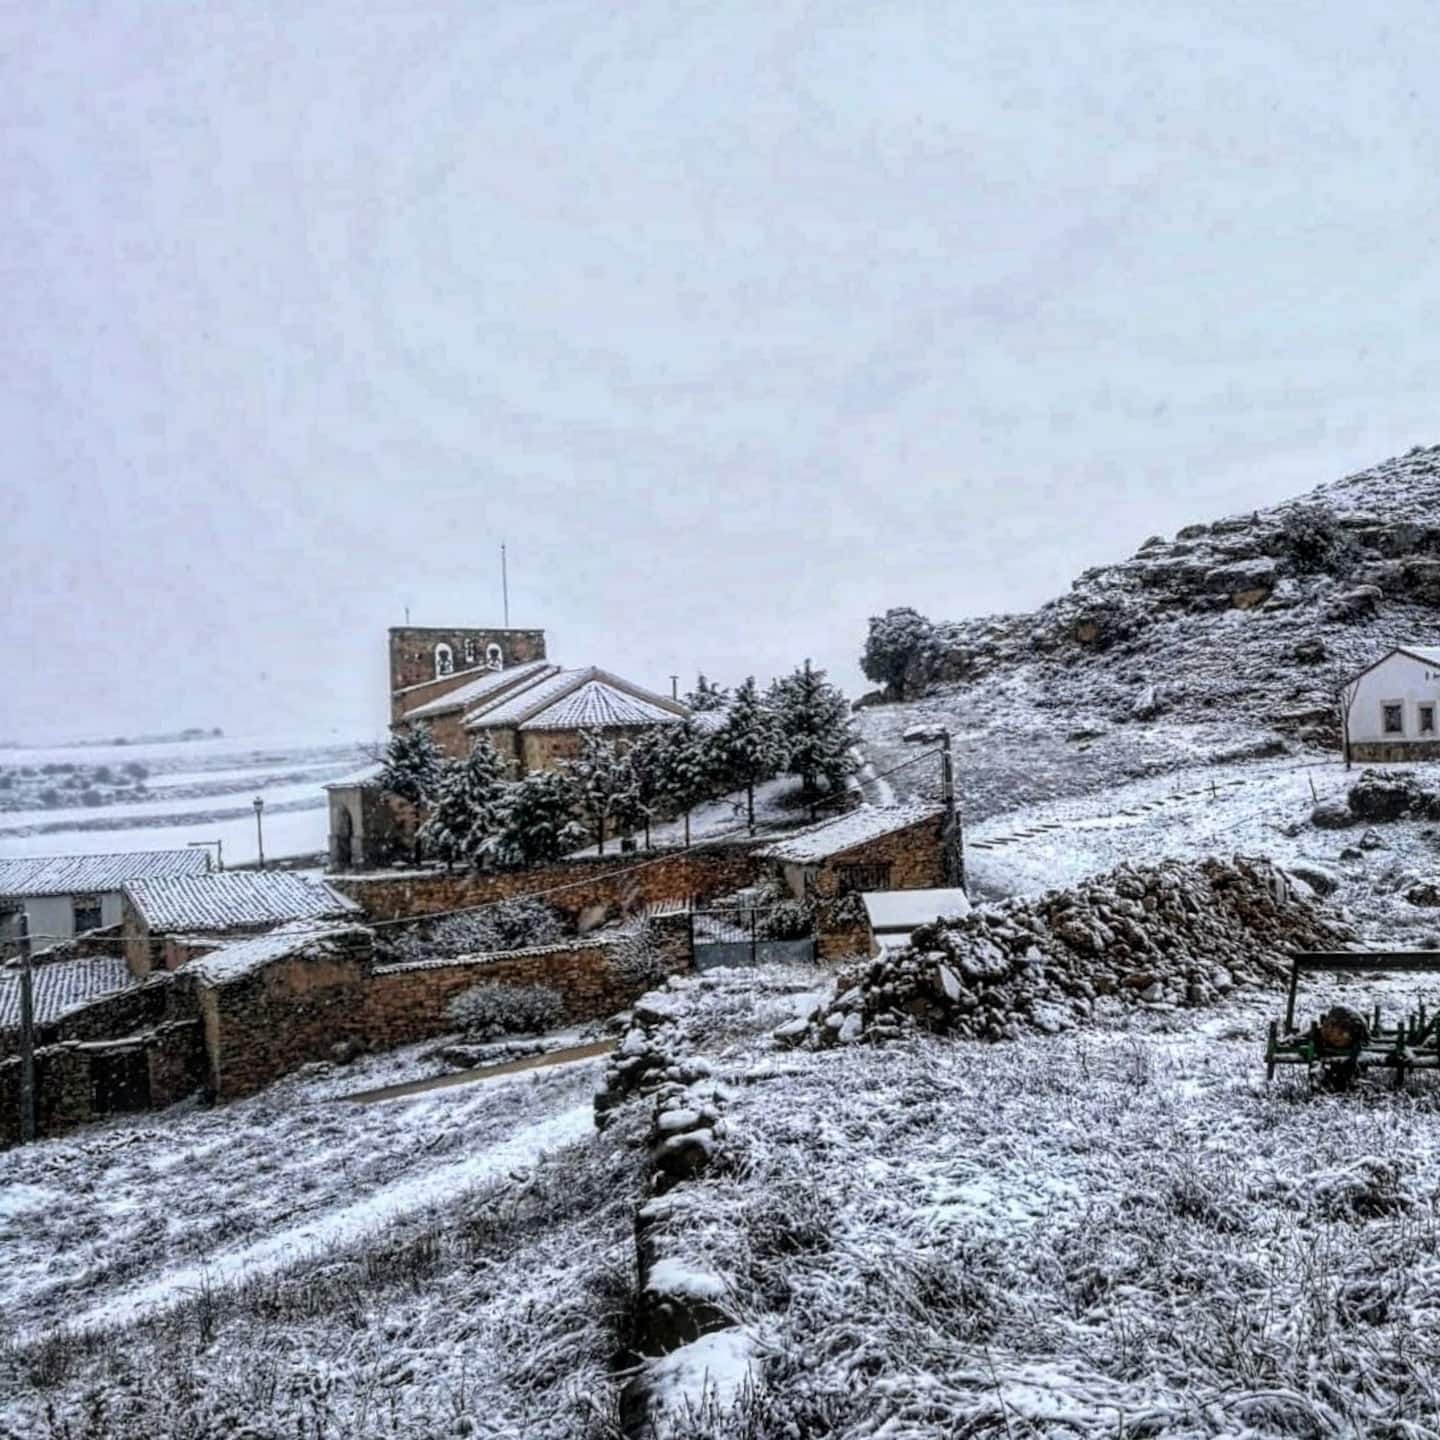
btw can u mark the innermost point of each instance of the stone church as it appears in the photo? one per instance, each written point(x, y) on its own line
point(464, 683)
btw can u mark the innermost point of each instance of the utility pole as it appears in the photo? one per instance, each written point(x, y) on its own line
point(505, 584)
point(954, 840)
point(674, 687)
point(27, 1035)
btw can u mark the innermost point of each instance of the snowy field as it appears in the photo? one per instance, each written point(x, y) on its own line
point(192, 791)
point(1261, 807)
point(282, 1256)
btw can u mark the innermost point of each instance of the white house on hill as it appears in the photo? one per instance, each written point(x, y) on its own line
point(1391, 710)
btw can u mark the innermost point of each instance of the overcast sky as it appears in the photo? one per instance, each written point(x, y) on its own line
point(739, 320)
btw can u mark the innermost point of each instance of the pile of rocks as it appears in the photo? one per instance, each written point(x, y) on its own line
point(1176, 933)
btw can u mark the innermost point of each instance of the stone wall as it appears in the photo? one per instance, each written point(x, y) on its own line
point(614, 883)
point(312, 1006)
point(842, 929)
point(75, 1080)
point(1393, 752)
point(154, 1003)
point(264, 1024)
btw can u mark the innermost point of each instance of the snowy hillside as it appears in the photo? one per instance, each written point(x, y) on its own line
point(1256, 617)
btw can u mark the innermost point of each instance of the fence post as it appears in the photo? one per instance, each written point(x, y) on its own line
point(27, 1035)
point(754, 947)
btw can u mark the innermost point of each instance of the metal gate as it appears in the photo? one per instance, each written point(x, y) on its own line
point(744, 935)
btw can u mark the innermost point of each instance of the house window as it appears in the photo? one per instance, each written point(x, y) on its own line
point(857, 879)
point(86, 909)
point(444, 660)
point(1427, 718)
point(1392, 718)
point(494, 656)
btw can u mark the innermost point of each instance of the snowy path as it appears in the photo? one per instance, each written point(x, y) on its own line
point(876, 789)
point(297, 1243)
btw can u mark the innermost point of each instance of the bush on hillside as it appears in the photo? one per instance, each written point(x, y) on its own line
point(1313, 541)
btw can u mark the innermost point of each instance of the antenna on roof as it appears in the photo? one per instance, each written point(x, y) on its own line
point(504, 585)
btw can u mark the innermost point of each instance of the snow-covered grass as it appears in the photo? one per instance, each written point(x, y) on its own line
point(296, 1258)
point(1124, 1232)
point(1259, 807)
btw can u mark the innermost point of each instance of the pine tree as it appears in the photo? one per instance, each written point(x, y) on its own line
point(464, 816)
point(707, 696)
point(535, 822)
point(601, 779)
point(750, 745)
point(412, 765)
point(815, 719)
point(646, 796)
point(685, 770)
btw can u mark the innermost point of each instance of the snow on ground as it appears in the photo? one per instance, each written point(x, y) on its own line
point(1259, 807)
point(1124, 1232)
point(140, 1207)
point(196, 791)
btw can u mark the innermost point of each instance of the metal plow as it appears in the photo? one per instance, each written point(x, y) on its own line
point(1343, 1042)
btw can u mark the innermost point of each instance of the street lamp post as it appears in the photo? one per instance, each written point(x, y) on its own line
point(259, 833)
point(954, 841)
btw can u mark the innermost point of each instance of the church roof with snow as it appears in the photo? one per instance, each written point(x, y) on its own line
point(94, 874)
point(235, 899)
point(489, 686)
point(857, 827)
point(580, 699)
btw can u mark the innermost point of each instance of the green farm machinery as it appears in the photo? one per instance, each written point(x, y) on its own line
point(1342, 1042)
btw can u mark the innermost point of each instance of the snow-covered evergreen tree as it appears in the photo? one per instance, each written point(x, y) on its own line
point(645, 798)
point(465, 813)
point(707, 696)
point(603, 783)
point(815, 719)
point(536, 821)
point(750, 745)
point(685, 770)
point(892, 642)
point(412, 765)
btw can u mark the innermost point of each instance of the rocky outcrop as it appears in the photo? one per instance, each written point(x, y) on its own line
point(1386, 795)
point(1254, 616)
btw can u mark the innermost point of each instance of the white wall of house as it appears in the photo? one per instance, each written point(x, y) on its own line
point(1403, 681)
point(52, 917)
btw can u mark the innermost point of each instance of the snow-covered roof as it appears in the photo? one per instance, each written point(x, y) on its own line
point(902, 910)
point(597, 705)
point(858, 827)
point(366, 776)
point(1428, 653)
point(489, 685)
point(94, 874)
point(576, 699)
point(243, 957)
point(61, 986)
point(236, 898)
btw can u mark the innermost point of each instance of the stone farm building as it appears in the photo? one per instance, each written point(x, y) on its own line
point(1391, 709)
point(65, 895)
point(166, 922)
point(876, 847)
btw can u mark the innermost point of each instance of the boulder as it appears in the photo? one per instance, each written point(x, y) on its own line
point(1359, 603)
point(1330, 815)
point(1426, 893)
point(1317, 877)
point(1371, 840)
point(1246, 582)
point(1382, 796)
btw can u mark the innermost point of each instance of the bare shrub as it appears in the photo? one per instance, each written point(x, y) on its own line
point(512, 925)
point(489, 1010)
